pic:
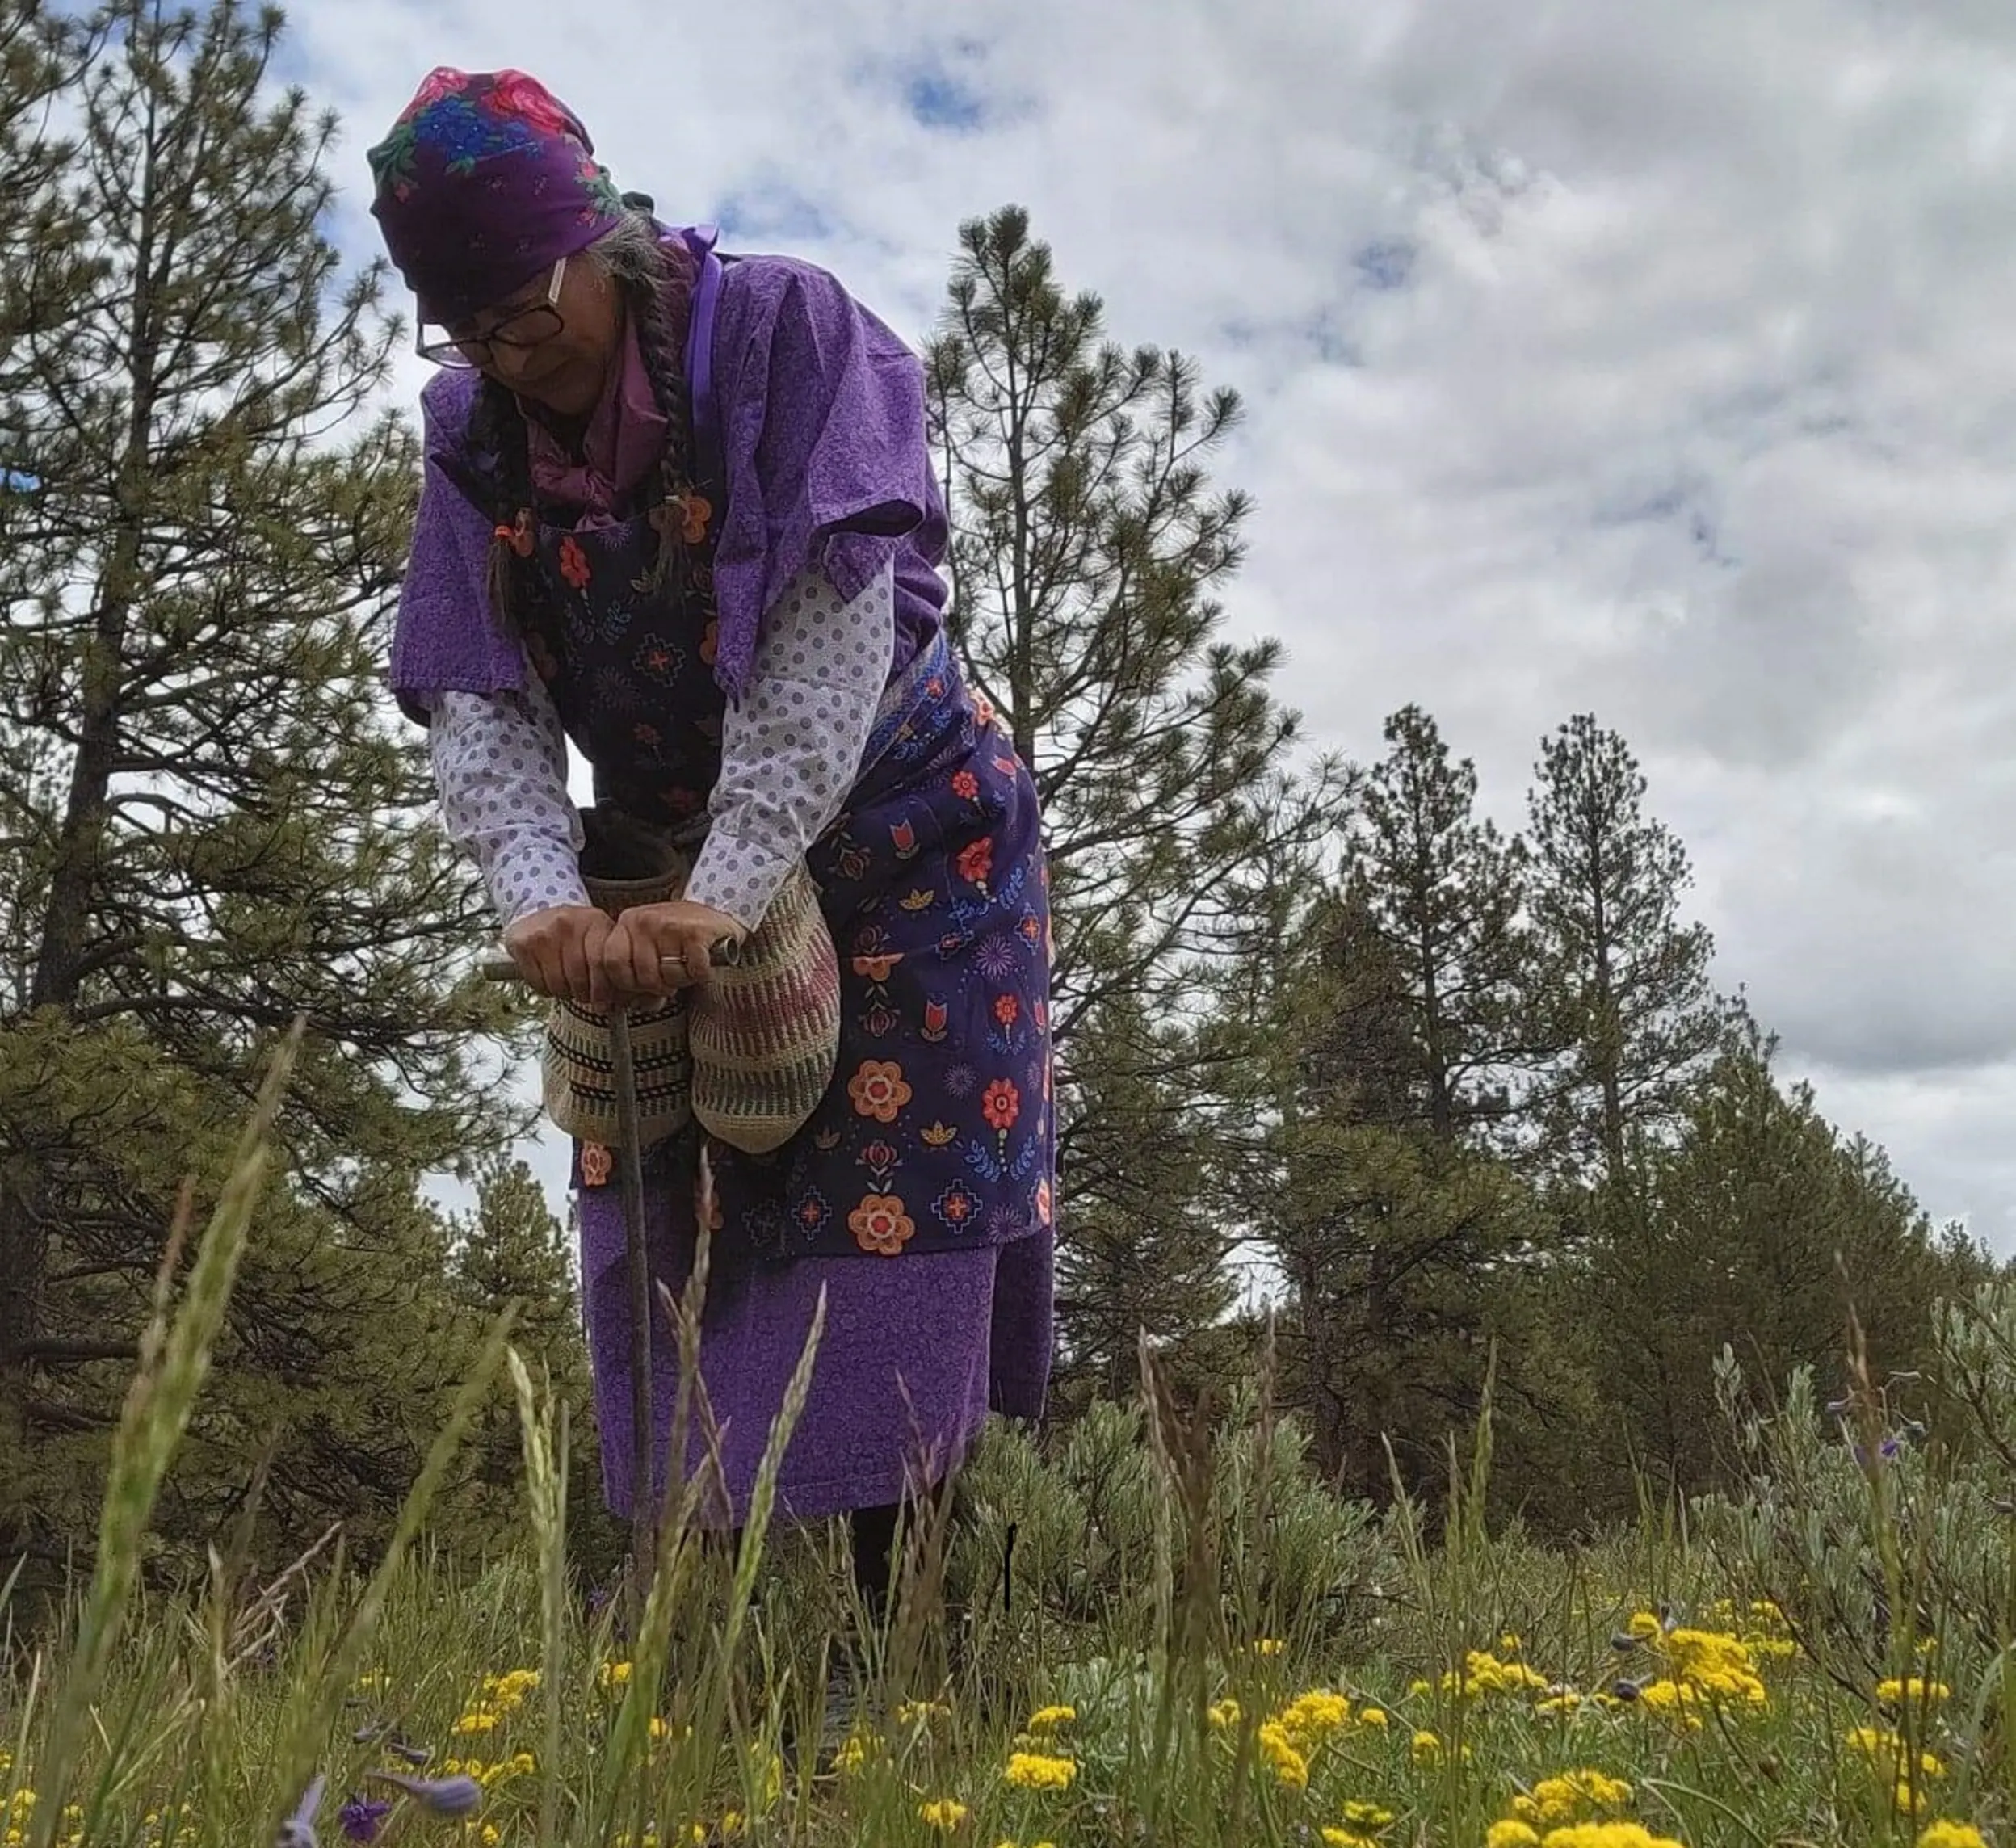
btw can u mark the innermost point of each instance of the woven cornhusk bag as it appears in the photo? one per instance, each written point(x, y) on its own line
point(749, 1052)
point(623, 864)
point(766, 1028)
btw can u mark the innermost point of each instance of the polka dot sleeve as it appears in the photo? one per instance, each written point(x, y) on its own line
point(791, 750)
point(500, 763)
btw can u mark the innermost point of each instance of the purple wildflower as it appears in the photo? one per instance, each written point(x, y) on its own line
point(445, 1796)
point(298, 1831)
point(362, 1818)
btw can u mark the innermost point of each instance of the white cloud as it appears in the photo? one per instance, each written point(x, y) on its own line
point(1652, 360)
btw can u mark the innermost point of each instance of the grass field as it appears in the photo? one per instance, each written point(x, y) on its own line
point(1192, 1643)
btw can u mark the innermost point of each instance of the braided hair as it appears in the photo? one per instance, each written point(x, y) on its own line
point(655, 280)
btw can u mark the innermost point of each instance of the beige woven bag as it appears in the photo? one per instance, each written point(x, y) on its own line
point(749, 1053)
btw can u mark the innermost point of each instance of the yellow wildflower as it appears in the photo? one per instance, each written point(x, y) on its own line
point(916, 1712)
point(854, 1752)
point(1367, 1816)
point(1037, 1770)
point(1426, 1747)
point(1574, 1796)
point(1312, 1717)
point(489, 1834)
point(1608, 1835)
point(1886, 1749)
point(1483, 1673)
point(1946, 1833)
point(1645, 1627)
point(1224, 1715)
point(1511, 1833)
point(1347, 1838)
point(1913, 1691)
point(943, 1815)
point(1715, 1663)
point(1566, 1702)
point(478, 1720)
point(1510, 1644)
point(1049, 1719)
point(1268, 1646)
point(1288, 1764)
point(1372, 1717)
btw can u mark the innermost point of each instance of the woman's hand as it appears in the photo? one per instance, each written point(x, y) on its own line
point(559, 951)
point(655, 950)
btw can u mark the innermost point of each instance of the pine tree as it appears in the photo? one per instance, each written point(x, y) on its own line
point(1443, 891)
point(212, 824)
point(1623, 980)
point(512, 1252)
point(1758, 1228)
point(1394, 1242)
point(1089, 546)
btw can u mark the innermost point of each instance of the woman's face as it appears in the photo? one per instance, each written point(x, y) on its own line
point(563, 372)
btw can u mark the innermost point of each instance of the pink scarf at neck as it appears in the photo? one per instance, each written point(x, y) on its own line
point(623, 444)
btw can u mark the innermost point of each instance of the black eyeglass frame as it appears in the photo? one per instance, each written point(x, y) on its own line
point(511, 331)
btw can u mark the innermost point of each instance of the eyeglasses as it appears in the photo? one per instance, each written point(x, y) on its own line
point(528, 327)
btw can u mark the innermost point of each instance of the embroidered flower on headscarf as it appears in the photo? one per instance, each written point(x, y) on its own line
point(1002, 1105)
point(879, 1224)
point(573, 563)
point(879, 1090)
point(444, 80)
point(515, 94)
point(965, 785)
point(1042, 1202)
point(1007, 1010)
point(595, 1164)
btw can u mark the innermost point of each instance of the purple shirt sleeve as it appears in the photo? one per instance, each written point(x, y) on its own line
point(823, 440)
point(447, 639)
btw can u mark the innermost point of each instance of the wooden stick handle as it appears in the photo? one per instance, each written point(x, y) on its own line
point(727, 953)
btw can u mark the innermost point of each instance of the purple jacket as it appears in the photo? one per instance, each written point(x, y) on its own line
point(820, 411)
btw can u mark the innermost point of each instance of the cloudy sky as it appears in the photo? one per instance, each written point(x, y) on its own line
point(1655, 360)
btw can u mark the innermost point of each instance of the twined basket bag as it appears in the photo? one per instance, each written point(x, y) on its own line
point(749, 1053)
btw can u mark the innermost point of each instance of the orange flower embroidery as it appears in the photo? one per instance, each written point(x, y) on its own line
point(983, 710)
point(1002, 1105)
point(939, 1136)
point(1042, 1202)
point(965, 785)
point(573, 563)
point(685, 515)
point(976, 860)
point(919, 901)
point(1007, 1010)
point(595, 1164)
point(879, 1224)
point(879, 1090)
point(876, 969)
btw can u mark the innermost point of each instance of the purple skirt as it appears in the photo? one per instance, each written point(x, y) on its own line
point(917, 1351)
